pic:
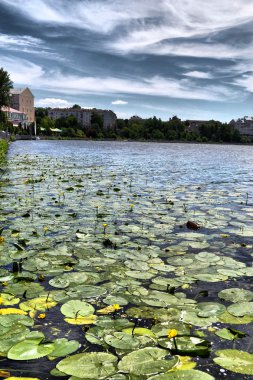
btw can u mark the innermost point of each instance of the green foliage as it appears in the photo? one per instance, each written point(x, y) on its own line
point(3, 150)
point(5, 87)
point(140, 129)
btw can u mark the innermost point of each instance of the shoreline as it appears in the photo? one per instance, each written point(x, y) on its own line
point(51, 138)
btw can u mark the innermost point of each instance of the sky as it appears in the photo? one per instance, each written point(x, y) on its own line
point(190, 58)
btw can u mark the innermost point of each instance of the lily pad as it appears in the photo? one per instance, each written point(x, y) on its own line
point(193, 374)
point(30, 349)
point(93, 365)
point(208, 309)
point(63, 347)
point(147, 361)
point(75, 308)
point(241, 309)
point(235, 361)
point(236, 295)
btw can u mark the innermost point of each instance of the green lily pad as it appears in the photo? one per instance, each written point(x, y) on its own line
point(240, 309)
point(11, 335)
point(230, 333)
point(231, 319)
point(30, 349)
point(122, 341)
point(139, 331)
point(235, 361)
point(95, 365)
point(236, 295)
point(63, 347)
point(147, 361)
point(192, 374)
point(12, 319)
point(209, 309)
point(75, 308)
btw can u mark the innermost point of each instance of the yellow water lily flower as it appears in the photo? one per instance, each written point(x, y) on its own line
point(172, 333)
point(42, 316)
point(109, 309)
point(1, 239)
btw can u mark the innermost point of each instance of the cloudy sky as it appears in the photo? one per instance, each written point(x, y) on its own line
point(188, 58)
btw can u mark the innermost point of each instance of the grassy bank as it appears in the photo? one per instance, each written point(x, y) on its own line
point(3, 151)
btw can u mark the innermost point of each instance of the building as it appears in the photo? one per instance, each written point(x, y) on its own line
point(83, 115)
point(193, 125)
point(243, 125)
point(22, 100)
point(17, 118)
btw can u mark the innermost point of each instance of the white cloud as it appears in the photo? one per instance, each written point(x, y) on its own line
point(246, 81)
point(24, 72)
point(177, 19)
point(119, 102)
point(52, 102)
point(27, 44)
point(198, 74)
point(8, 41)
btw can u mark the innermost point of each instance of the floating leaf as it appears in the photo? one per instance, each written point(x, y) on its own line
point(241, 308)
point(8, 299)
point(229, 318)
point(147, 361)
point(122, 341)
point(30, 349)
point(236, 295)
point(88, 320)
point(230, 333)
point(187, 375)
point(139, 331)
point(209, 309)
point(10, 310)
point(235, 361)
point(75, 308)
point(63, 347)
point(41, 303)
point(95, 365)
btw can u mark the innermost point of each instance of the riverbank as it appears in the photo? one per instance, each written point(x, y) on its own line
point(3, 151)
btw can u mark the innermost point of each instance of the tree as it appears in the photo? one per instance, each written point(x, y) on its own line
point(5, 88)
point(76, 107)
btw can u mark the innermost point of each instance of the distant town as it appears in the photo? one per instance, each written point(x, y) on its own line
point(23, 120)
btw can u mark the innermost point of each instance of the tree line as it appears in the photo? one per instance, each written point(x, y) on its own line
point(151, 129)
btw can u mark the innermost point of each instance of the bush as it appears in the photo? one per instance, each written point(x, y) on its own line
point(3, 151)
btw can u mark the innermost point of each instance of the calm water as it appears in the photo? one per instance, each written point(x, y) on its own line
point(214, 165)
point(211, 179)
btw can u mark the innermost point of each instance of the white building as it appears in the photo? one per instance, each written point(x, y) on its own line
point(83, 115)
point(244, 125)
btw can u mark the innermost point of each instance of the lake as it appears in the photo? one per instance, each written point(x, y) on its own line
point(97, 258)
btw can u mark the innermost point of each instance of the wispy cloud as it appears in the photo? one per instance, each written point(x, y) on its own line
point(23, 71)
point(198, 74)
point(26, 72)
point(52, 102)
point(119, 102)
point(27, 44)
point(8, 41)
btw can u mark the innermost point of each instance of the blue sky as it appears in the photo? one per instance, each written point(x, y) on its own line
point(188, 58)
